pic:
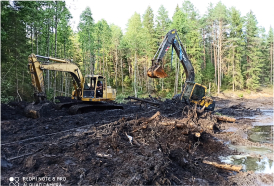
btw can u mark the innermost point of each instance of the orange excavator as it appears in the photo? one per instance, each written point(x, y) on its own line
point(192, 92)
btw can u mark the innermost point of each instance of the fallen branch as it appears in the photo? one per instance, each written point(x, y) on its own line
point(103, 155)
point(224, 118)
point(142, 100)
point(154, 116)
point(21, 156)
point(144, 124)
point(200, 111)
point(224, 166)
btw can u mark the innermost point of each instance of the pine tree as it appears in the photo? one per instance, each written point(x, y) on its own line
point(220, 15)
point(135, 41)
point(86, 27)
point(150, 42)
point(268, 57)
point(115, 47)
point(235, 50)
point(162, 23)
point(252, 67)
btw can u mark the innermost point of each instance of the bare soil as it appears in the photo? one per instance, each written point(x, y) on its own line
point(128, 147)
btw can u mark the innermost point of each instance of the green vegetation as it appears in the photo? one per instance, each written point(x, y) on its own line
point(228, 50)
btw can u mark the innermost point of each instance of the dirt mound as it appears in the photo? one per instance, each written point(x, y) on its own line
point(13, 110)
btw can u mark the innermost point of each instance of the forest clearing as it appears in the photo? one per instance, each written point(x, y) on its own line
point(142, 144)
point(180, 101)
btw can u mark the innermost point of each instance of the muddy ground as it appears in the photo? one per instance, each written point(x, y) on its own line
point(129, 146)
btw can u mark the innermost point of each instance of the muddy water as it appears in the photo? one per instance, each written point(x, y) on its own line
point(266, 118)
point(258, 165)
point(251, 150)
point(261, 132)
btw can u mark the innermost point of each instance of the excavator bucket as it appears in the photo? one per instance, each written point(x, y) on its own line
point(37, 110)
point(156, 71)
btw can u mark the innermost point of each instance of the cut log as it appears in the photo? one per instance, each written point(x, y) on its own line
point(154, 116)
point(225, 118)
point(224, 166)
point(168, 123)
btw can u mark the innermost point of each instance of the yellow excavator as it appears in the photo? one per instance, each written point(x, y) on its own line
point(90, 92)
point(192, 92)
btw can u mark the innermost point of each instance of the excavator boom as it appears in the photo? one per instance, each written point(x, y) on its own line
point(191, 91)
point(171, 39)
point(36, 70)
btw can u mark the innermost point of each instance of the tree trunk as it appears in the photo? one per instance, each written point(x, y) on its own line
point(23, 84)
point(146, 75)
point(215, 56)
point(100, 65)
point(135, 66)
point(233, 71)
point(204, 49)
point(55, 55)
point(31, 38)
point(36, 35)
point(103, 64)
point(116, 69)
point(122, 75)
point(211, 54)
point(219, 53)
point(176, 78)
point(180, 70)
point(271, 62)
point(91, 62)
point(48, 47)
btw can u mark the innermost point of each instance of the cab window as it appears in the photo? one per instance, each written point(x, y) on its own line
point(198, 92)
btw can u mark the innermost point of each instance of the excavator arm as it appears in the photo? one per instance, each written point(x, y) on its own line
point(191, 91)
point(36, 69)
point(171, 39)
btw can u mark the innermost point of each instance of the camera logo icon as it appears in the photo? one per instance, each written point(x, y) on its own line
point(14, 181)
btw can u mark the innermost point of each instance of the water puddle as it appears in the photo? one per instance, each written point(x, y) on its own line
point(258, 165)
point(266, 118)
point(250, 149)
point(263, 134)
point(263, 128)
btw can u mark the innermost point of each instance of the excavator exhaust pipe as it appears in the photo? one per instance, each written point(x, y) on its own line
point(156, 71)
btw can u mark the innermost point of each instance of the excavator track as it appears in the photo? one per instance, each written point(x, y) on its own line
point(59, 106)
point(83, 108)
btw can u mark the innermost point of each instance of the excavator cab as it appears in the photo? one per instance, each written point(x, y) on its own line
point(89, 87)
point(195, 92)
point(94, 86)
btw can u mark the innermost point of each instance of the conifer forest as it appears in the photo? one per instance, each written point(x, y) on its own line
point(228, 50)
